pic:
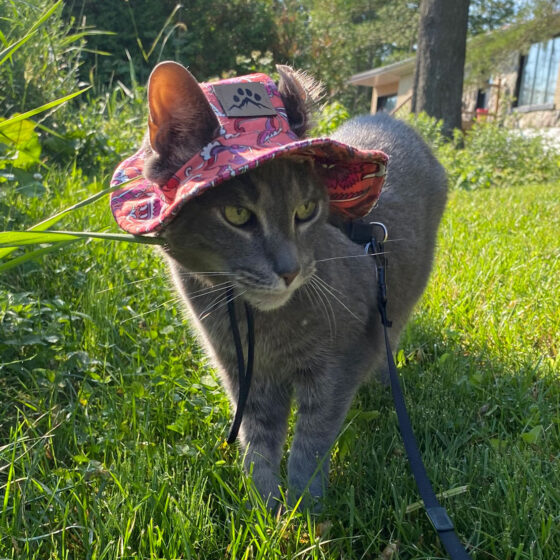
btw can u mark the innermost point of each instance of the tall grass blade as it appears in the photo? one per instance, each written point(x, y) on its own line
point(41, 226)
point(37, 110)
point(83, 34)
point(6, 53)
point(23, 238)
point(35, 254)
point(9, 50)
point(165, 26)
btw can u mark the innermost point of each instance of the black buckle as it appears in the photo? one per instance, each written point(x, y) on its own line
point(363, 232)
point(360, 232)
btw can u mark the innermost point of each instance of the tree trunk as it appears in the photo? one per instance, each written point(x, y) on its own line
point(440, 61)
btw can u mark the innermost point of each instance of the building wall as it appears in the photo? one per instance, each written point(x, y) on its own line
point(501, 91)
point(380, 91)
point(502, 101)
point(404, 91)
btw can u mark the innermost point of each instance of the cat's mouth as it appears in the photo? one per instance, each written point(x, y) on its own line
point(269, 298)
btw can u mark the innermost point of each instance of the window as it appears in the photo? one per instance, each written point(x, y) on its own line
point(482, 99)
point(386, 103)
point(539, 71)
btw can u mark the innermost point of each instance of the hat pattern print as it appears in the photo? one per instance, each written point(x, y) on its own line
point(353, 177)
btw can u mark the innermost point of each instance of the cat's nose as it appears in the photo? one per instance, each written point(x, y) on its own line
point(289, 277)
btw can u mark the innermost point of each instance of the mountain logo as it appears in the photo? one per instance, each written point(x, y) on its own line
point(244, 100)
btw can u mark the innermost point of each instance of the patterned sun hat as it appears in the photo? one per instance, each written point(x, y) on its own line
point(253, 129)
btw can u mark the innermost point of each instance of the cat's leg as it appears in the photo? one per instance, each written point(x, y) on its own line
point(323, 402)
point(263, 433)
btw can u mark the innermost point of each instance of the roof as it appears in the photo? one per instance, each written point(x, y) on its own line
point(384, 74)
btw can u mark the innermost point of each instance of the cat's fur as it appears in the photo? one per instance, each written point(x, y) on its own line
point(318, 334)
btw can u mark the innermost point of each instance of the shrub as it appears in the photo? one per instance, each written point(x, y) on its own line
point(45, 66)
point(331, 117)
point(104, 130)
point(490, 155)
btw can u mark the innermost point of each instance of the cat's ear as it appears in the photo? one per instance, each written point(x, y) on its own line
point(180, 121)
point(301, 95)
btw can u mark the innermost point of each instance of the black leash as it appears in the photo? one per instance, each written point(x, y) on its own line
point(436, 512)
point(244, 375)
point(359, 232)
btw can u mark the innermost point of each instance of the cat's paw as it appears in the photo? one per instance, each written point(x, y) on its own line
point(305, 501)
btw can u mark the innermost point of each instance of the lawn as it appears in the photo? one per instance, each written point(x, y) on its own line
point(112, 424)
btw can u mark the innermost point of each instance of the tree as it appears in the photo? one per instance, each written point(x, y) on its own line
point(486, 15)
point(440, 61)
point(343, 38)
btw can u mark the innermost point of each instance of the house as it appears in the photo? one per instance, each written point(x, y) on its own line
point(525, 89)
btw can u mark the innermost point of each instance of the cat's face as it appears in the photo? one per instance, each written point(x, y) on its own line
point(260, 229)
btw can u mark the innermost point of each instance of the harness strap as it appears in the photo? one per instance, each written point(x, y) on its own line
point(243, 375)
point(436, 512)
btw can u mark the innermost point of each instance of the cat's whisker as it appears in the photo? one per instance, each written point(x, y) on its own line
point(333, 323)
point(131, 283)
point(326, 284)
point(221, 303)
point(210, 290)
point(317, 301)
point(353, 256)
point(172, 300)
point(134, 282)
point(331, 317)
point(186, 274)
point(220, 298)
point(329, 289)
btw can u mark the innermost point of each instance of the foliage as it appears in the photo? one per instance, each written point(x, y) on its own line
point(344, 39)
point(490, 155)
point(20, 150)
point(332, 40)
point(256, 61)
point(332, 116)
point(105, 129)
point(429, 128)
point(46, 62)
point(208, 41)
point(485, 16)
point(20, 146)
point(494, 156)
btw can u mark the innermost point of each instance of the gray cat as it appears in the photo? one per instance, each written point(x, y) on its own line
point(268, 235)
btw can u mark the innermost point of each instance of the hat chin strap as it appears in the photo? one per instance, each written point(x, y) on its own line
point(244, 375)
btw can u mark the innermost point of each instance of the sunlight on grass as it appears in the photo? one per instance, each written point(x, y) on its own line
point(112, 425)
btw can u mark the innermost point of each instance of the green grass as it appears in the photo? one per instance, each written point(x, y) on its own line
point(111, 423)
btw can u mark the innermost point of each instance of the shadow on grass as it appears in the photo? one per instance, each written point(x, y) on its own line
point(489, 426)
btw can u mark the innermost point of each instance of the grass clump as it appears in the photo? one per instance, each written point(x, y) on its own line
point(111, 422)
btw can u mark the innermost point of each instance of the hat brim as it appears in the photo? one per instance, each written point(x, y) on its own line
point(353, 177)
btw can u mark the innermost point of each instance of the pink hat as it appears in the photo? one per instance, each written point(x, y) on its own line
point(253, 129)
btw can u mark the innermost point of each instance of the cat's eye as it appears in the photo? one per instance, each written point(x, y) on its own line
point(306, 211)
point(237, 215)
